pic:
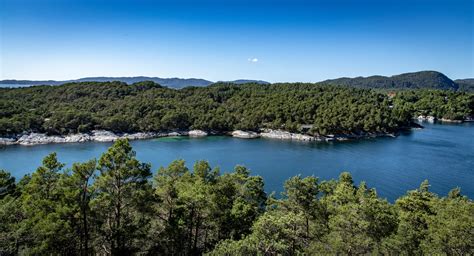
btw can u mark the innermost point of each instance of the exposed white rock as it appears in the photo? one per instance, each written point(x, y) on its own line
point(141, 135)
point(104, 136)
point(302, 137)
point(283, 135)
point(7, 141)
point(245, 134)
point(80, 137)
point(107, 136)
point(276, 134)
point(450, 120)
point(197, 133)
point(37, 138)
point(41, 138)
point(430, 119)
point(97, 135)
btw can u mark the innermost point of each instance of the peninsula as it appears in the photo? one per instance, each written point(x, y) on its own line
point(106, 111)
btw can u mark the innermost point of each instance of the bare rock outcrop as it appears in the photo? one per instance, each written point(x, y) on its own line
point(283, 135)
point(197, 133)
point(245, 134)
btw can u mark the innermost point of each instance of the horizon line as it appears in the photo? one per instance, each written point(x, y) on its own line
point(229, 80)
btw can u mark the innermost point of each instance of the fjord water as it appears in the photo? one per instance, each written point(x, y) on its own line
point(441, 153)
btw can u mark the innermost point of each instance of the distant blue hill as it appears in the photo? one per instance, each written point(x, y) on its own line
point(168, 82)
point(246, 81)
point(415, 80)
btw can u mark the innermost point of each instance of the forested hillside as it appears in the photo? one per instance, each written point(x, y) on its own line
point(116, 206)
point(147, 106)
point(466, 85)
point(415, 80)
point(438, 103)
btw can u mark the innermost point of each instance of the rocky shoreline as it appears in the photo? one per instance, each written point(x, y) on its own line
point(284, 135)
point(30, 139)
point(245, 134)
point(432, 119)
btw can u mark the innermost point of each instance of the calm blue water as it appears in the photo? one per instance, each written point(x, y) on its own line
point(443, 154)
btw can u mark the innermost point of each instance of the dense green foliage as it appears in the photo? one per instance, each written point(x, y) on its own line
point(440, 104)
point(115, 206)
point(146, 106)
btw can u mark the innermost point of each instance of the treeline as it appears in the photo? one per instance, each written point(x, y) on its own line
point(114, 206)
point(146, 106)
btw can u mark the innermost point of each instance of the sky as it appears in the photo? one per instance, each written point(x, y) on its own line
point(276, 41)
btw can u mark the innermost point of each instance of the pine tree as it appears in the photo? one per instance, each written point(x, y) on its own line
point(122, 200)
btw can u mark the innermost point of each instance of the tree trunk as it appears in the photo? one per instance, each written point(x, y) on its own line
point(196, 234)
point(118, 215)
point(84, 219)
point(190, 231)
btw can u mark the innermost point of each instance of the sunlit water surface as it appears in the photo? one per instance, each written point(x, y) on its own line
point(443, 154)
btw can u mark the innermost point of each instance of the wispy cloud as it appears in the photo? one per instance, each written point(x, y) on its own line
point(253, 60)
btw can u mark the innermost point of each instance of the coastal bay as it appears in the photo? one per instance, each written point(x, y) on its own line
point(441, 153)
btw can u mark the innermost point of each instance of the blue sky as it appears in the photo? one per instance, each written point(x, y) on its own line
point(226, 40)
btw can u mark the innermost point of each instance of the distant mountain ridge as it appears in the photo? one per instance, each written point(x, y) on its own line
point(169, 82)
point(246, 81)
point(414, 80)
